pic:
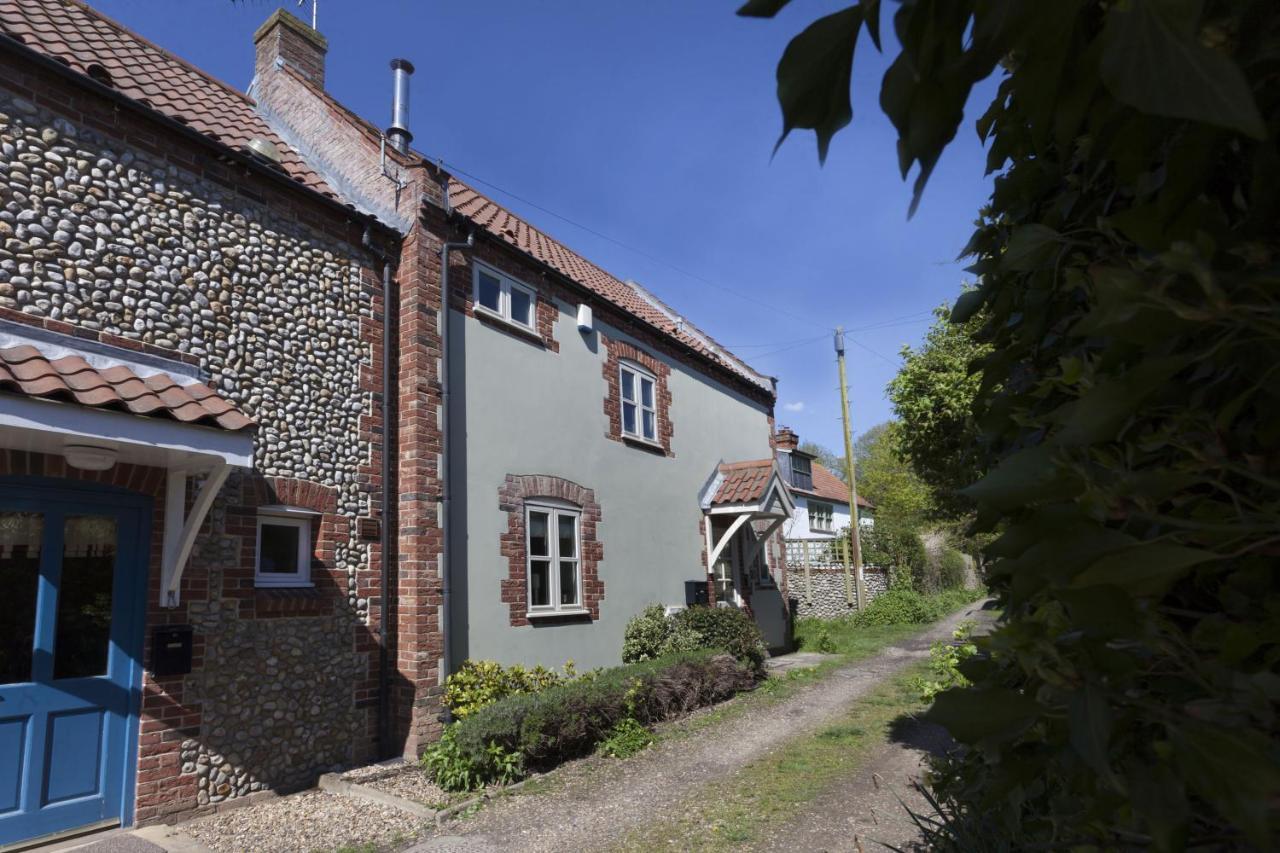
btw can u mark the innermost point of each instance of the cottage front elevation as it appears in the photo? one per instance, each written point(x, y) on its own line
point(293, 421)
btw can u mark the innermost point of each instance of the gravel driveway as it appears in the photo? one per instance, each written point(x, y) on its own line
point(592, 804)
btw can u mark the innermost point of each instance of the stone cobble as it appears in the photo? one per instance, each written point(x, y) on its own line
point(828, 599)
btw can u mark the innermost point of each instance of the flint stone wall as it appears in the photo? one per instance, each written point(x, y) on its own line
point(828, 597)
point(113, 239)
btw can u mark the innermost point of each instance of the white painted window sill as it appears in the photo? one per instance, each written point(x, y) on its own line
point(489, 314)
point(261, 584)
point(643, 442)
point(553, 614)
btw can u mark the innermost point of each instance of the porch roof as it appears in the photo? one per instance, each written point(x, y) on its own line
point(754, 487)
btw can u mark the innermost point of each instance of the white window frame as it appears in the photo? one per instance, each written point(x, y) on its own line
point(638, 374)
point(554, 510)
point(506, 284)
point(830, 515)
point(284, 516)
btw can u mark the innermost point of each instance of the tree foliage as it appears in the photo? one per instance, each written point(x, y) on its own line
point(888, 481)
point(1128, 271)
point(827, 458)
point(933, 395)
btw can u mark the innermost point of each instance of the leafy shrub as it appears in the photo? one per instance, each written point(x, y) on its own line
point(897, 606)
point(568, 721)
point(454, 770)
point(478, 683)
point(944, 663)
point(651, 634)
point(645, 634)
point(625, 739)
point(823, 643)
point(898, 548)
point(725, 628)
point(953, 569)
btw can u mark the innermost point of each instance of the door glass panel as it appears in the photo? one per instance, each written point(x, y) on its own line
point(84, 596)
point(20, 534)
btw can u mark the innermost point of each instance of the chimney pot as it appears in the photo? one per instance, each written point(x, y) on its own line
point(786, 439)
point(285, 38)
point(398, 132)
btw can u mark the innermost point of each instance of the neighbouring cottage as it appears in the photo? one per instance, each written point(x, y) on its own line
point(292, 421)
point(817, 534)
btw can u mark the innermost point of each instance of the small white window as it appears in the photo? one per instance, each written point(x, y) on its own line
point(553, 533)
point(504, 297)
point(820, 517)
point(284, 547)
point(639, 410)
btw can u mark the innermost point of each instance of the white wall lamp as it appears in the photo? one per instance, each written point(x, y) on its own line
point(90, 457)
point(584, 317)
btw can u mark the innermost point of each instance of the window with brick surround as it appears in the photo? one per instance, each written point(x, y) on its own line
point(639, 402)
point(501, 296)
point(553, 549)
point(284, 549)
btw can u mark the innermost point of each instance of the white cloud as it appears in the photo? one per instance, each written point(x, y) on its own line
point(797, 406)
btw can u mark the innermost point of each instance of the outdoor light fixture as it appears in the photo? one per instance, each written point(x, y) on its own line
point(89, 457)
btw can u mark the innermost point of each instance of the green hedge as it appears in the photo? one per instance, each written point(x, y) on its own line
point(564, 722)
point(651, 634)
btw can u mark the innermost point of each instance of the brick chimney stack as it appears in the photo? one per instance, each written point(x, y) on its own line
point(786, 439)
point(286, 37)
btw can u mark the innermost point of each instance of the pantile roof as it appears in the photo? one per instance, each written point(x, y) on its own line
point(628, 296)
point(743, 482)
point(830, 487)
point(24, 370)
point(98, 47)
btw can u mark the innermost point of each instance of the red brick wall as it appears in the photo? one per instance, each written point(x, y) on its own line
point(512, 545)
point(615, 352)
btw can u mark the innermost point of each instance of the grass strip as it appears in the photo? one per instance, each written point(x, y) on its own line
point(737, 811)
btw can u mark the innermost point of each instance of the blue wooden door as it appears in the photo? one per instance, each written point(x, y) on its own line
point(72, 581)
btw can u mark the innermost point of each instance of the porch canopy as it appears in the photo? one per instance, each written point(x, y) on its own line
point(96, 405)
point(745, 492)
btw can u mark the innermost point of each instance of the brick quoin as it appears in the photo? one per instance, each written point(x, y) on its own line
point(616, 352)
point(512, 494)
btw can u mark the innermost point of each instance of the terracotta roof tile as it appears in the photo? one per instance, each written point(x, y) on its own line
point(505, 225)
point(830, 487)
point(25, 371)
point(743, 482)
point(78, 36)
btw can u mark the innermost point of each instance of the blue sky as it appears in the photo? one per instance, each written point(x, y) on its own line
point(652, 123)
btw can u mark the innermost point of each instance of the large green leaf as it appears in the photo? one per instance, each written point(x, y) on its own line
point(971, 715)
point(1090, 722)
point(1144, 569)
point(1029, 247)
point(761, 8)
point(1237, 771)
point(1028, 476)
point(814, 76)
point(1153, 63)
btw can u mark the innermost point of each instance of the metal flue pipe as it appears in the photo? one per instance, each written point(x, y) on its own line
point(398, 133)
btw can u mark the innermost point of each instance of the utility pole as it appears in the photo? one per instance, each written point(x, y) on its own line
point(855, 535)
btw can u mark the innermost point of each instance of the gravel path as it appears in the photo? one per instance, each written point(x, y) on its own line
point(865, 811)
point(592, 804)
point(301, 823)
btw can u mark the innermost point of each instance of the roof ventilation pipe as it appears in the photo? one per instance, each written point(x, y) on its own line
point(399, 133)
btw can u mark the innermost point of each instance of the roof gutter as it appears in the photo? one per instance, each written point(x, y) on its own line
point(10, 44)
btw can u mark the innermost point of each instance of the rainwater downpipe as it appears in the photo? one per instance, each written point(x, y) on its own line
point(446, 486)
point(384, 528)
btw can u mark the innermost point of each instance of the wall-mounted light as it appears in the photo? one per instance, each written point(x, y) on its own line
point(584, 317)
point(89, 457)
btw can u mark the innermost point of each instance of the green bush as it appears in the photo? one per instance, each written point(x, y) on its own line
point(645, 634)
point(478, 683)
point(898, 548)
point(651, 634)
point(569, 720)
point(726, 628)
point(454, 770)
point(953, 569)
point(626, 739)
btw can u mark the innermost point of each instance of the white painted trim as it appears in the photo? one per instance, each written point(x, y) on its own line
point(56, 345)
point(728, 535)
point(554, 509)
point(640, 372)
point(505, 284)
point(179, 534)
point(283, 516)
point(70, 419)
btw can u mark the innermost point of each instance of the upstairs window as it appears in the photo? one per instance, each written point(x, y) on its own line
point(820, 517)
point(801, 472)
point(284, 547)
point(503, 297)
point(554, 555)
point(639, 409)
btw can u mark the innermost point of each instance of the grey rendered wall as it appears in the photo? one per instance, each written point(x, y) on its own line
point(520, 409)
